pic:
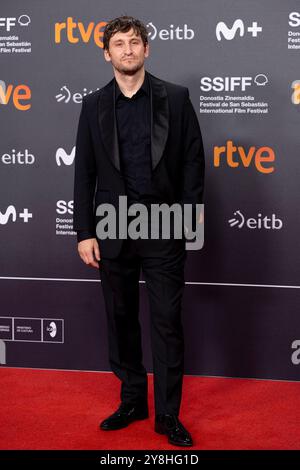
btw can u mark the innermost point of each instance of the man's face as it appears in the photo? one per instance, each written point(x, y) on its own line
point(126, 52)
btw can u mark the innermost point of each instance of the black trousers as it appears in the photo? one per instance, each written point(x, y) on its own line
point(162, 263)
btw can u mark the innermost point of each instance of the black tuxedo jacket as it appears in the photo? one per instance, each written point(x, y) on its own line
point(176, 152)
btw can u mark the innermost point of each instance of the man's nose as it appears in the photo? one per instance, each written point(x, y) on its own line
point(128, 49)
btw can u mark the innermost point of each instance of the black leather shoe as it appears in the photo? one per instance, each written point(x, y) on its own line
point(171, 426)
point(125, 414)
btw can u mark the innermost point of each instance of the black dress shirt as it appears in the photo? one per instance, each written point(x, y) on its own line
point(134, 137)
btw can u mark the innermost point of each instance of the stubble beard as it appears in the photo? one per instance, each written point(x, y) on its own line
point(128, 70)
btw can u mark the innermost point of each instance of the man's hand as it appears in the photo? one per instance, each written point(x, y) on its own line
point(89, 250)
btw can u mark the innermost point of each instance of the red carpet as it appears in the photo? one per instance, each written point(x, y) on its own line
point(43, 409)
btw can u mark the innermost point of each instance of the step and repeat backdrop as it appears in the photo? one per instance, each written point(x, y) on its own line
point(240, 61)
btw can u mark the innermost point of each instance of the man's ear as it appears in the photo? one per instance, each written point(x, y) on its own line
point(106, 55)
point(147, 51)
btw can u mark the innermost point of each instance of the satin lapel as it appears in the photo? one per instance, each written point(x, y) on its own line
point(108, 124)
point(159, 119)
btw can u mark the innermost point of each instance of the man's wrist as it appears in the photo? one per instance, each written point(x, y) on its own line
point(84, 235)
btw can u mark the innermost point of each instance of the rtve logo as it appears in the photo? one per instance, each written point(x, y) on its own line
point(85, 34)
point(16, 95)
point(234, 156)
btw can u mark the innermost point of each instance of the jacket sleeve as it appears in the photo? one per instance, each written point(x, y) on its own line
point(193, 156)
point(84, 179)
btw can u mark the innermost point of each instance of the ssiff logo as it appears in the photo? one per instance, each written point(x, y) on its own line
point(232, 83)
point(294, 19)
point(8, 23)
point(16, 94)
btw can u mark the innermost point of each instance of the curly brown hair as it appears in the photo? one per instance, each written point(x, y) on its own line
point(123, 24)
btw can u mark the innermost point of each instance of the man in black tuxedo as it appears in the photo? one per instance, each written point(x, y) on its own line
point(139, 137)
